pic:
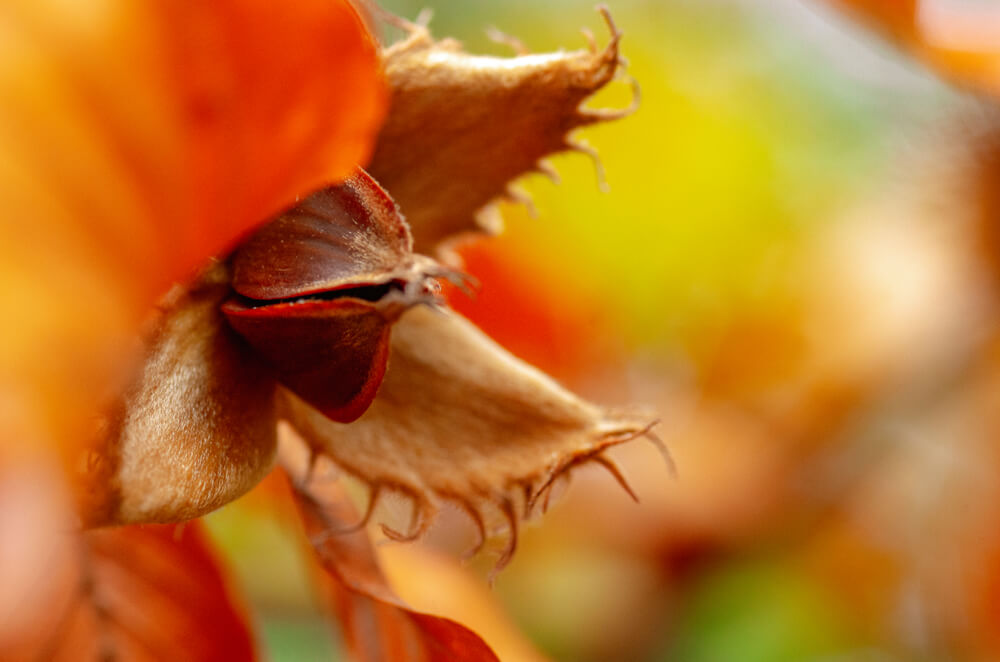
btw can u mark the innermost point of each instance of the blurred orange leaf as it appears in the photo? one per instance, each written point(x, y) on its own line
point(165, 130)
point(136, 593)
point(536, 309)
point(899, 17)
point(142, 138)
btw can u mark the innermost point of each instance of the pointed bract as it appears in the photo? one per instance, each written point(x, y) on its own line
point(461, 127)
point(196, 430)
point(459, 419)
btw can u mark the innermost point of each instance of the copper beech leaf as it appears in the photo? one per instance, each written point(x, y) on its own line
point(138, 594)
point(432, 580)
point(375, 623)
point(460, 420)
point(461, 127)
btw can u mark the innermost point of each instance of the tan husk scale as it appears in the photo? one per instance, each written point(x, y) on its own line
point(459, 419)
point(461, 128)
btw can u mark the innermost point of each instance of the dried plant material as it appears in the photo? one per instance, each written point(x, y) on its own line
point(375, 623)
point(462, 127)
point(141, 594)
point(317, 289)
point(197, 429)
point(173, 130)
point(459, 419)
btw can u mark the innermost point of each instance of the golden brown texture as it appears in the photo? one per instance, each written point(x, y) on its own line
point(459, 419)
point(197, 429)
point(462, 127)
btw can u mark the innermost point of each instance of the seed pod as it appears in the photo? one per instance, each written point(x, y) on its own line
point(307, 301)
point(317, 289)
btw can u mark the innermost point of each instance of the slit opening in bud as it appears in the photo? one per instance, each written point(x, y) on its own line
point(371, 293)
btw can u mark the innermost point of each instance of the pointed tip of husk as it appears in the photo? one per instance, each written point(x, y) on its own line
point(459, 420)
point(445, 110)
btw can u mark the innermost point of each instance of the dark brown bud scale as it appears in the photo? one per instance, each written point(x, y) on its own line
point(318, 288)
point(343, 236)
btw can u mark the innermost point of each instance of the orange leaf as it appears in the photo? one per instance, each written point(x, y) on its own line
point(141, 138)
point(136, 594)
point(164, 130)
point(376, 624)
point(898, 17)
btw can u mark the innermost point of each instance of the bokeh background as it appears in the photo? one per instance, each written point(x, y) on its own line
point(795, 269)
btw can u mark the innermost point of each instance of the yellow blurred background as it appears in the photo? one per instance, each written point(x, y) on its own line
point(795, 269)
